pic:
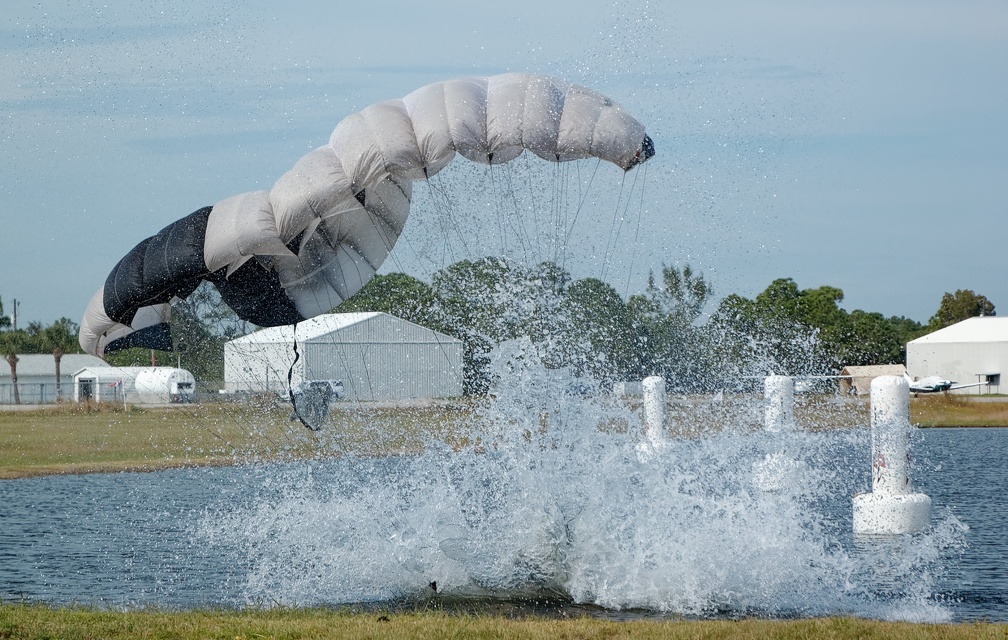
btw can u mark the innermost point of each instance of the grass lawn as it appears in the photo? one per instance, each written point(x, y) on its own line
point(17, 621)
point(941, 410)
point(80, 439)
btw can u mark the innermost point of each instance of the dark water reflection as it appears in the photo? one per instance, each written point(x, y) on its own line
point(138, 539)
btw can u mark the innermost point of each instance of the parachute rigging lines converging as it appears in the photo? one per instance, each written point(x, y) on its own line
point(321, 232)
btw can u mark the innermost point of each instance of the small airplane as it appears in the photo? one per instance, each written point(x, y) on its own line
point(934, 384)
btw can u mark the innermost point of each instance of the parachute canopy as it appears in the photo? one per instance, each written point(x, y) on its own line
point(325, 227)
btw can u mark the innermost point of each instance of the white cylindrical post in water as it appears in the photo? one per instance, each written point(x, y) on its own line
point(892, 507)
point(654, 409)
point(778, 395)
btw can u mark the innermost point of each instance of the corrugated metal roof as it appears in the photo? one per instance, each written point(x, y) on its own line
point(980, 329)
point(308, 329)
point(347, 327)
point(43, 364)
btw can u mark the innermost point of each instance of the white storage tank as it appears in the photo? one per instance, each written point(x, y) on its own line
point(166, 384)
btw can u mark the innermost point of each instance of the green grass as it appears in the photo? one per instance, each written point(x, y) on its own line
point(17, 621)
point(82, 439)
point(78, 439)
point(950, 410)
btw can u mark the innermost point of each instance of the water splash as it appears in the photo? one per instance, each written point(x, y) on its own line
point(553, 497)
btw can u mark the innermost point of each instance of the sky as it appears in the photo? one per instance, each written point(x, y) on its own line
point(854, 144)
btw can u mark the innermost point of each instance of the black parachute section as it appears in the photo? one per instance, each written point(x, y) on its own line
point(170, 264)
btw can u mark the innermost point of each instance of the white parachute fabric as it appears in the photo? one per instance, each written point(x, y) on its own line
point(242, 226)
point(98, 330)
point(329, 223)
point(342, 251)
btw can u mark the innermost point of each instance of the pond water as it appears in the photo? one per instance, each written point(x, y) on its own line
point(586, 521)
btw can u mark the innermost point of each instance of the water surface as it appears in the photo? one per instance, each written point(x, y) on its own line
point(726, 525)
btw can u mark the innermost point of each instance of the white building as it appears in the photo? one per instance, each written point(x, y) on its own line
point(135, 385)
point(974, 350)
point(375, 355)
point(37, 376)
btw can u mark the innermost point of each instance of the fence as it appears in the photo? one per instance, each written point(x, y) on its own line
point(45, 393)
point(34, 392)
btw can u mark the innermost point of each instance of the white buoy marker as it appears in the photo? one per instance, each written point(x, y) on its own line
point(778, 396)
point(892, 507)
point(654, 410)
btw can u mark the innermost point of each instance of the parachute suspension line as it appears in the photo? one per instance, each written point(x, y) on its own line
point(563, 208)
point(581, 201)
point(501, 187)
point(555, 199)
point(618, 219)
point(405, 242)
point(502, 237)
point(448, 224)
point(443, 225)
point(290, 379)
point(561, 192)
point(612, 230)
point(530, 241)
point(621, 216)
point(640, 214)
point(518, 217)
point(448, 221)
point(537, 238)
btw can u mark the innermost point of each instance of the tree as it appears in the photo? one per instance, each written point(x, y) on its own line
point(599, 340)
point(59, 338)
point(872, 340)
point(959, 306)
point(397, 294)
point(4, 320)
point(12, 343)
point(906, 330)
point(665, 318)
point(492, 300)
point(201, 324)
point(780, 331)
point(466, 309)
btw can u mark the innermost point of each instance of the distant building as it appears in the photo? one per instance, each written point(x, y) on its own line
point(375, 355)
point(133, 385)
point(974, 350)
point(37, 376)
point(856, 380)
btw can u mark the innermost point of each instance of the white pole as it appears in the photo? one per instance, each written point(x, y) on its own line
point(654, 409)
point(890, 423)
point(892, 507)
point(778, 394)
point(778, 470)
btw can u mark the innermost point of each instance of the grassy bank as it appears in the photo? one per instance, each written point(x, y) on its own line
point(18, 621)
point(941, 410)
point(79, 439)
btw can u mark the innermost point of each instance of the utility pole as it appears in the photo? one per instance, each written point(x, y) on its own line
point(14, 315)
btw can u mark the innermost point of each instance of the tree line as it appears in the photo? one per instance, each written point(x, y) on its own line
point(580, 324)
point(587, 326)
